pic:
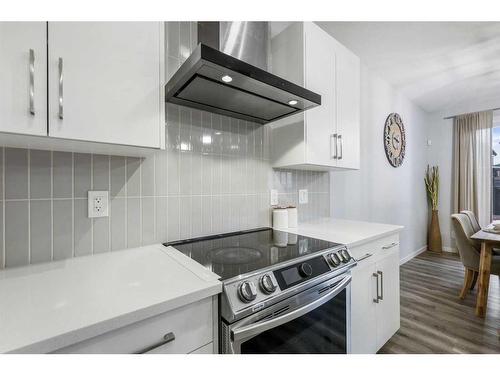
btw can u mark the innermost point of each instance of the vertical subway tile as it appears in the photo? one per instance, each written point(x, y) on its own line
point(196, 131)
point(16, 173)
point(83, 231)
point(196, 174)
point(16, 233)
point(161, 173)
point(206, 215)
point(173, 127)
point(133, 177)
point(195, 215)
point(133, 222)
point(148, 176)
point(217, 133)
point(173, 29)
point(148, 221)
point(185, 40)
point(235, 202)
point(40, 184)
point(100, 229)
point(173, 178)
point(62, 229)
point(40, 231)
point(118, 224)
point(1, 185)
point(207, 137)
point(217, 219)
point(226, 135)
point(173, 228)
point(62, 171)
point(173, 64)
point(82, 172)
point(1, 236)
point(235, 137)
point(161, 219)
point(217, 174)
point(118, 178)
point(185, 173)
point(226, 213)
point(100, 173)
point(226, 165)
point(185, 129)
point(194, 34)
point(185, 216)
point(206, 174)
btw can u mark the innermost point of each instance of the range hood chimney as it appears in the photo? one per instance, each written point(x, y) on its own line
point(227, 74)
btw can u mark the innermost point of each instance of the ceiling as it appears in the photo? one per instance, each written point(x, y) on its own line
point(438, 65)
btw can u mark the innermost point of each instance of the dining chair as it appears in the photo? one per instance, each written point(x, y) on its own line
point(476, 227)
point(469, 253)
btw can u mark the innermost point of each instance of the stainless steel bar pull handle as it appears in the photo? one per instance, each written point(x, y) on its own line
point(32, 82)
point(61, 87)
point(169, 337)
point(389, 246)
point(375, 275)
point(339, 137)
point(333, 146)
point(381, 285)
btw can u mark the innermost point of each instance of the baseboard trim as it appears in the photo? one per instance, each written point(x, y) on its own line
point(449, 249)
point(412, 255)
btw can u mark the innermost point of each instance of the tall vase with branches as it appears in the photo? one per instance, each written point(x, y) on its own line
point(431, 179)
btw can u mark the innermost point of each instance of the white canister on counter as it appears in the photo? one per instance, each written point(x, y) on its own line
point(280, 218)
point(292, 217)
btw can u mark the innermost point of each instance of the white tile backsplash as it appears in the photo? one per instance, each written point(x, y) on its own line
point(213, 177)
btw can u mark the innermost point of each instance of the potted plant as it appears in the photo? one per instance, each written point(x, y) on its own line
point(434, 242)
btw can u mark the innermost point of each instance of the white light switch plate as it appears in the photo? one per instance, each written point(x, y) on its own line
point(303, 196)
point(274, 197)
point(98, 203)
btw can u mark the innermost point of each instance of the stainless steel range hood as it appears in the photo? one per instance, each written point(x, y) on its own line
point(223, 83)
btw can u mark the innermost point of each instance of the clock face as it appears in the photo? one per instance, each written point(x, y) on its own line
point(394, 140)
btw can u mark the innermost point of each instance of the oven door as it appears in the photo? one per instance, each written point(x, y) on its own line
point(314, 321)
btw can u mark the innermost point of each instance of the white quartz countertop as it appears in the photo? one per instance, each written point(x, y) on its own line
point(348, 232)
point(49, 306)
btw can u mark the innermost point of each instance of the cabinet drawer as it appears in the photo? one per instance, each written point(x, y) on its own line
point(377, 249)
point(191, 325)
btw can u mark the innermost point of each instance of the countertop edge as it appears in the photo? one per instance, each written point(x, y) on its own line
point(81, 334)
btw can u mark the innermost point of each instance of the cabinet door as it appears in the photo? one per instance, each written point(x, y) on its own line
point(320, 78)
point(23, 77)
point(363, 309)
point(111, 76)
point(348, 108)
point(388, 320)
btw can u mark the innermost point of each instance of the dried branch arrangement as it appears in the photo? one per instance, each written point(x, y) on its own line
point(432, 185)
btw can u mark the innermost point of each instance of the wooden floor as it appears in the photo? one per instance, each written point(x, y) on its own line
point(434, 319)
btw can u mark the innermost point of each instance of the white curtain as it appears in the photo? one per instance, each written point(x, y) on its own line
point(472, 164)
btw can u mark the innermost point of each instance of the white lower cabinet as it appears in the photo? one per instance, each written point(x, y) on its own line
point(188, 329)
point(375, 295)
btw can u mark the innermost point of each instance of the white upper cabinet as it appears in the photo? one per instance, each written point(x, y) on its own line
point(105, 82)
point(23, 77)
point(325, 137)
point(104, 91)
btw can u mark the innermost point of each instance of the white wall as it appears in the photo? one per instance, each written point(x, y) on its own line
point(379, 192)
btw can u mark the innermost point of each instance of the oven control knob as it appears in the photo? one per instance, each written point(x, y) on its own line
point(247, 291)
point(335, 259)
point(305, 270)
point(267, 284)
point(345, 256)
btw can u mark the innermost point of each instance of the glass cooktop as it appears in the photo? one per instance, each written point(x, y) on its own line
point(232, 254)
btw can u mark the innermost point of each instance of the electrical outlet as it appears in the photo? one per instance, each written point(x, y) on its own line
point(274, 197)
point(98, 203)
point(303, 196)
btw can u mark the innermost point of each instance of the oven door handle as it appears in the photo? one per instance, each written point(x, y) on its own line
point(239, 334)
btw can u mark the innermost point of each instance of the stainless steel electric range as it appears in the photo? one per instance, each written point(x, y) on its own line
point(282, 293)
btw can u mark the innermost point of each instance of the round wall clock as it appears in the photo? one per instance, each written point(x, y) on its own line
point(394, 140)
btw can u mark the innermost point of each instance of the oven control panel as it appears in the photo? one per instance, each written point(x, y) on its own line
point(251, 293)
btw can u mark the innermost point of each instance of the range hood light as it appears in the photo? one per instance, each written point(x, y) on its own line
point(292, 102)
point(227, 78)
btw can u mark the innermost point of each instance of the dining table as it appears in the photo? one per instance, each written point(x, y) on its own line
point(488, 241)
